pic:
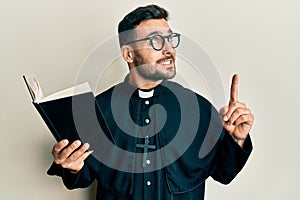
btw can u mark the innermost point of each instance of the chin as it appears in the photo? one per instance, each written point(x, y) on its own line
point(171, 72)
point(169, 75)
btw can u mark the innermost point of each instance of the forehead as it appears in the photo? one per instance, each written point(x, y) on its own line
point(153, 25)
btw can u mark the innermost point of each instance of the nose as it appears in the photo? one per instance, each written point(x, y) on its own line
point(168, 49)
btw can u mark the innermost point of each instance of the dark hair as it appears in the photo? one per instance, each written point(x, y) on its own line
point(134, 18)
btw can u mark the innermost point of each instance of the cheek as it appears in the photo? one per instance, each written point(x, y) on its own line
point(142, 46)
point(150, 55)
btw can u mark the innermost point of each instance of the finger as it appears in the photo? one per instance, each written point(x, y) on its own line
point(76, 154)
point(234, 88)
point(222, 112)
point(66, 152)
point(245, 119)
point(76, 160)
point(58, 147)
point(76, 166)
point(237, 113)
point(231, 108)
point(80, 161)
point(85, 155)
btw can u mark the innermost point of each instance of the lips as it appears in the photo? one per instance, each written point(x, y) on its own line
point(166, 61)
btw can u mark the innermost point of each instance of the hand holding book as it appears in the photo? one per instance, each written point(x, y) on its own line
point(57, 110)
point(71, 156)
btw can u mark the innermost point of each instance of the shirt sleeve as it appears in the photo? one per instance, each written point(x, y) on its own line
point(230, 159)
point(80, 180)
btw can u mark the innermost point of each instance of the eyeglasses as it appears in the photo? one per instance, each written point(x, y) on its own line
point(158, 41)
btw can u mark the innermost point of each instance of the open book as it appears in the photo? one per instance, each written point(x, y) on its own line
point(70, 113)
point(38, 96)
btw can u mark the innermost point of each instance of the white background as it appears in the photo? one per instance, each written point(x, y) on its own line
point(259, 40)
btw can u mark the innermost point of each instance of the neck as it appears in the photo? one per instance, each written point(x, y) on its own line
point(142, 83)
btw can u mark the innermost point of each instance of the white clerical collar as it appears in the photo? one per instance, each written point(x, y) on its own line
point(146, 94)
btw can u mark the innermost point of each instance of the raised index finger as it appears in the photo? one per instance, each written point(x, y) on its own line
point(234, 88)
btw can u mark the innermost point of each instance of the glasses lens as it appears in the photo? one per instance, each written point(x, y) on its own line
point(174, 39)
point(157, 42)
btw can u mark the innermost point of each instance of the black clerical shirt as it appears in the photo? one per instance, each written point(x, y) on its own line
point(167, 122)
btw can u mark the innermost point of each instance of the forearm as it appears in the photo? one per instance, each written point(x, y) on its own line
point(231, 158)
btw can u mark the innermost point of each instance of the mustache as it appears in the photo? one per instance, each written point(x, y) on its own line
point(166, 58)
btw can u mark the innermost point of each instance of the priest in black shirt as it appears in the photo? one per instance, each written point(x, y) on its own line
point(177, 138)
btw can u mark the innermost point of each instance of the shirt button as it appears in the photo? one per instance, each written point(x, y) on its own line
point(148, 183)
point(147, 102)
point(147, 121)
point(148, 162)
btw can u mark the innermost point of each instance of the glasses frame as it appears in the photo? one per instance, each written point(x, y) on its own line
point(168, 37)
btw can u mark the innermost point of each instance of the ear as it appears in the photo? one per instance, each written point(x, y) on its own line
point(127, 53)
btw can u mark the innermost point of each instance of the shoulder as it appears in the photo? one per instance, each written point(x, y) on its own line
point(106, 95)
point(188, 93)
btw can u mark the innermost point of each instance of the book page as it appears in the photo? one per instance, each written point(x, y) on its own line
point(34, 88)
point(39, 97)
point(78, 89)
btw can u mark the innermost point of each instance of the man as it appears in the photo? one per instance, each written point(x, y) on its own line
point(181, 166)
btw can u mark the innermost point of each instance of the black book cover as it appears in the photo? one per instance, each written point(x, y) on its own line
point(74, 117)
point(59, 115)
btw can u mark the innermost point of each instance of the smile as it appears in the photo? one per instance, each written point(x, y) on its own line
point(167, 62)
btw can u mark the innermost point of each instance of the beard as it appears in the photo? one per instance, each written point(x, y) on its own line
point(153, 71)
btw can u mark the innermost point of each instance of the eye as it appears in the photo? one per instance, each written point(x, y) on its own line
point(156, 39)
